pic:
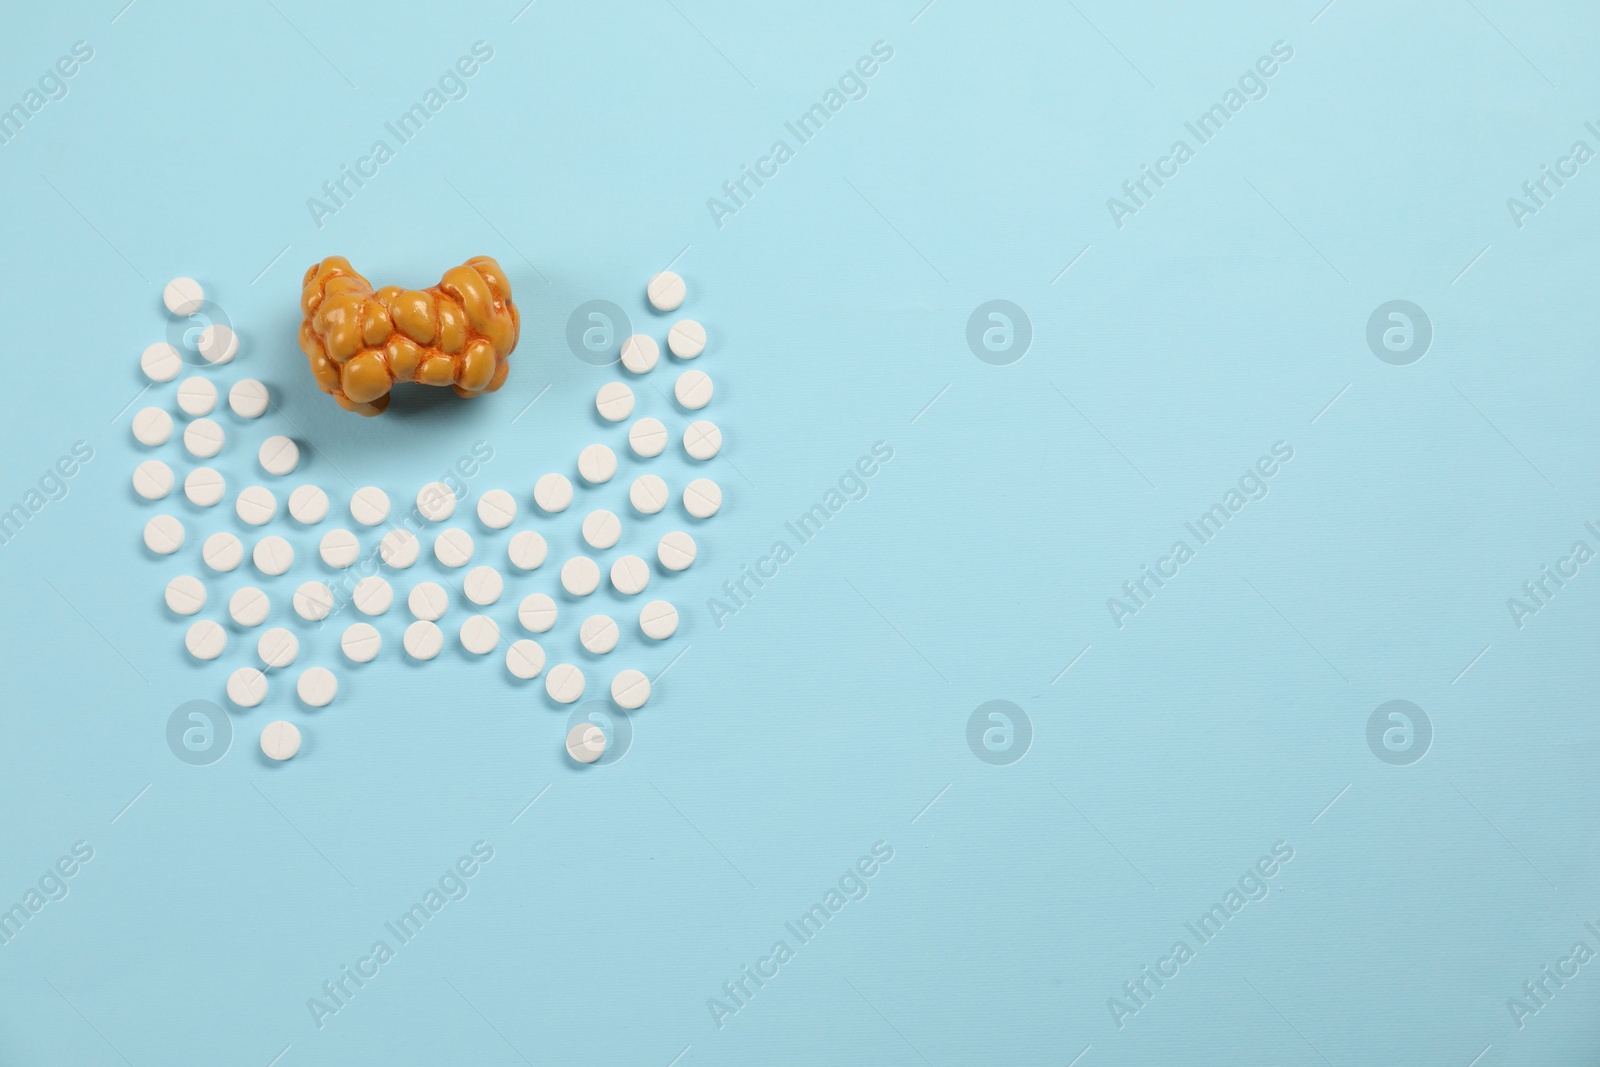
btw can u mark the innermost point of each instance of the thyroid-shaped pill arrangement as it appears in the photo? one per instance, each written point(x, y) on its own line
point(269, 624)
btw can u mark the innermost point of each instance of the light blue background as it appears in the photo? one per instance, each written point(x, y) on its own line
point(1227, 715)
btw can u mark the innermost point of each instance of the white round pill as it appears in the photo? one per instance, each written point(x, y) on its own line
point(552, 492)
point(308, 504)
point(453, 547)
point(280, 740)
point(702, 498)
point(278, 455)
point(676, 551)
point(256, 505)
point(586, 742)
point(339, 548)
point(564, 683)
point(183, 296)
point(161, 362)
point(361, 642)
point(163, 535)
point(249, 606)
point(629, 575)
point(247, 687)
point(316, 687)
point(203, 438)
point(527, 550)
point(479, 635)
point(580, 575)
point(648, 494)
point(436, 501)
point(152, 479)
point(152, 426)
point(369, 505)
point(483, 585)
point(428, 601)
point(666, 291)
point(687, 339)
point(217, 343)
point(399, 549)
point(536, 613)
point(272, 555)
point(248, 398)
point(423, 640)
point(596, 464)
point(702, 439)
point(599, 634)
point(640, 353)
point(647, 438)
point(204, 487)
point(278, 647)
point(614, 401)
point(601, 529)
point(497, 509)
point(197, 396)
point(205, 640)
point(693, 389)
point(313, 601)
point(222, 552)
point(525, 659)
point(372, 596)
point(658, 620)
point(186, 594)
point(630, 689)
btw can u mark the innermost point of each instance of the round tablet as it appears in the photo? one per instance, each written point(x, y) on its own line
point(453, 547)
point(278, 647)
point(525, 659)
point(163, 535)
point(527, 551)
point(222, 552)
point(369, 506)
point(629, 575)
point(249, 606)
point(183, 296)
point(564, 683)
point(313, 601)
point(647, 438)
point(248, 398)
point(658, 620)
point(599, 634)
point(596, 464)
point(423, 640)
point(308, 504)
point(247, 687)
point(217, 343)
point(280, 740)
point(428, 601)
point(693, 389)
point(205, 640)
point(648, 494)
point(361, 642)
point(256, 505)
point(497, 509)
point(204, 487)
point(278, 455)
point(436, 501)
point(317, 687)
point(630, 689)
point(152, 426)
point(372, 596)
point(601, 529)
point(676, 551)
point(702, 498)
point(186, 594)
point(702, 439)
point(152, 479)
point(666, 291)
point(339, 548)
point(479, 635)
point(203, 438)
point(161, 362)
point(586, 742)
point(614, 401)
point(687, 339)
point(197, 396)
point(399, 549)
point(536, 613)
point(640, 353)
point(272, 555)
point(580, 575)
point(552, 492)
point(483, 585)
